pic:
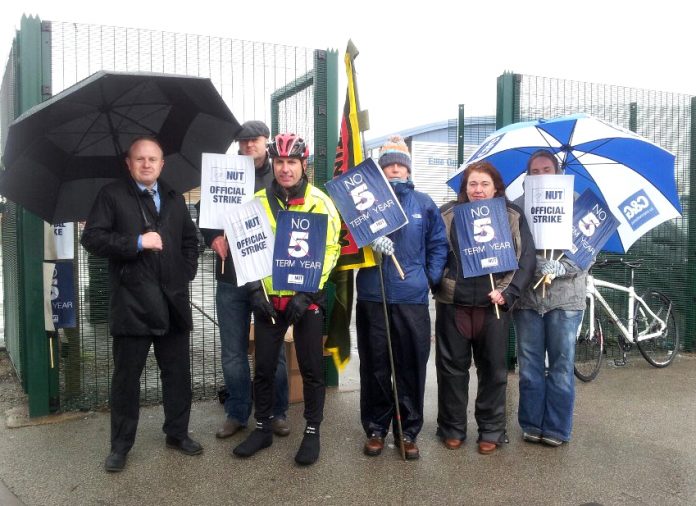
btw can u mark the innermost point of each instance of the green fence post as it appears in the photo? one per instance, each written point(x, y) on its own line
point(633, 116)
point(33, 85)
point(332, 377)
point(507, 112)
point(508, 103)
point(325, 140)
point(690, 316)
point(460, 135)
point(331, 110)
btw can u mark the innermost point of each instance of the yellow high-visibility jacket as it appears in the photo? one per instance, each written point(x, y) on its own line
point(314, 201)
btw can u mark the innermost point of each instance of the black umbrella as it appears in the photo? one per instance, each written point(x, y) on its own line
point(61, 152)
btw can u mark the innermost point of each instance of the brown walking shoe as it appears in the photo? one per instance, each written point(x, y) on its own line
point(452, 443)
point(486, 447)
point(410, 448)
point(229, 428)
point(280, 427)
point(374, 445)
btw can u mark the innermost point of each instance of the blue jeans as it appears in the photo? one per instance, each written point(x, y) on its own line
point(234, 316)
point(547, 398)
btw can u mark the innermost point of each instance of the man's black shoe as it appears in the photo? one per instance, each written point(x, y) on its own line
point(186, 445)
point(115, 462)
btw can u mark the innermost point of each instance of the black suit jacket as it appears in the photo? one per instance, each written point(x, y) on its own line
point(149, 290)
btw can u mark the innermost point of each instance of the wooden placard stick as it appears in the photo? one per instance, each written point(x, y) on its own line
point(222, 261)
point(398, 267)
point(497, 311)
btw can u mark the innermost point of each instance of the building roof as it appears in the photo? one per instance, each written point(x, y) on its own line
point(429, 127)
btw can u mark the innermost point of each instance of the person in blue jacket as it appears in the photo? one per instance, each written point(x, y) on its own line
point(421, 249)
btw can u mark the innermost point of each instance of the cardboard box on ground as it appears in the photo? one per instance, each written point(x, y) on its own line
point(294, 376)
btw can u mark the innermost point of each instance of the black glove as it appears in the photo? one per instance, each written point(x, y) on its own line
point(297, 306)
point(259, 305)
point(319, 298)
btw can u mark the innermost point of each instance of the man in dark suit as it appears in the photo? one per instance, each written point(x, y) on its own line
point(144, 228)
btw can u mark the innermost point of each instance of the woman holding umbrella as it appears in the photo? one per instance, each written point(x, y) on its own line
point(466, 321)
point(546, 323)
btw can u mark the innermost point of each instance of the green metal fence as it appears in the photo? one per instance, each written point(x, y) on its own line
point(249, 76)
point(10, 255)
point(292, 89)
point(24, 85)
point(665, 119)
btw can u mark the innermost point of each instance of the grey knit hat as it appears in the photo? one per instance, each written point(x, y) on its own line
point(253, 129)
point(395, 150)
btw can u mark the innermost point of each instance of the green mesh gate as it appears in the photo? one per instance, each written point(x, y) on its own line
point(24, 84)
point(8, 224)
point(247, 74)
point(289, 115)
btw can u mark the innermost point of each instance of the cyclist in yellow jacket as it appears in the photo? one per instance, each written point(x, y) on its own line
point(291, 191)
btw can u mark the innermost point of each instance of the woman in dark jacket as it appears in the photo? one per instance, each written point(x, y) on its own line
point(466, 321)
point(421, 249)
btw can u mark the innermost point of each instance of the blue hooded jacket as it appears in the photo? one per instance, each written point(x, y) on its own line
point(420, 248)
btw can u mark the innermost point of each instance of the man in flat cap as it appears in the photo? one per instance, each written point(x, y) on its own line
point(234, 312)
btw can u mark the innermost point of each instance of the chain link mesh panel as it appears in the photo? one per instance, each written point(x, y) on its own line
point(246, 74)
point(10, 278)
point(8, 97)
point(10, 248)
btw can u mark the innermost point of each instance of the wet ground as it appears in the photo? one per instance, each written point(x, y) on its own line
point(633, 443)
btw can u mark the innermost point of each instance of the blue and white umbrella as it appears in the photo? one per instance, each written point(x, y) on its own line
point(634, 176)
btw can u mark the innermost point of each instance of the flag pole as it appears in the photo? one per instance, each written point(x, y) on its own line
point(391, 363)
point(349, 153)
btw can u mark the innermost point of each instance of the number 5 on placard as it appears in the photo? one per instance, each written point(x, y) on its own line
point(483, 231)
point(362, 197)
point(588, 224)
point(298, 246)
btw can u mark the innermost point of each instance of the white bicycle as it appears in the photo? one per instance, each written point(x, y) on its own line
point(650, 324)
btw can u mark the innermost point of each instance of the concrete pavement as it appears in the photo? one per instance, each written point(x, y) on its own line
point(634, 442)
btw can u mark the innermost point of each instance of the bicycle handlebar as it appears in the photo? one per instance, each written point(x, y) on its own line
point(633, 264)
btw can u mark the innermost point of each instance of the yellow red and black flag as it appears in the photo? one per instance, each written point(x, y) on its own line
point(349, 153)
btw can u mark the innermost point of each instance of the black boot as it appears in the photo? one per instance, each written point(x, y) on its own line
point(309, 448)
point(260, 438)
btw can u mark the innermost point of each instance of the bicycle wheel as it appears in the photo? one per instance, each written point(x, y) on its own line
point(660, 350)
point(588, 349)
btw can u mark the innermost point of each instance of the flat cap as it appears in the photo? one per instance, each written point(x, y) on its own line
point(252, 130)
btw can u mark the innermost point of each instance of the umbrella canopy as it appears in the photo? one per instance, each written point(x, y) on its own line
point(61, 152)
point(634, 176)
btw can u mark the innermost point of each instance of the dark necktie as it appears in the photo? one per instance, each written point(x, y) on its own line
point(151, 192)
